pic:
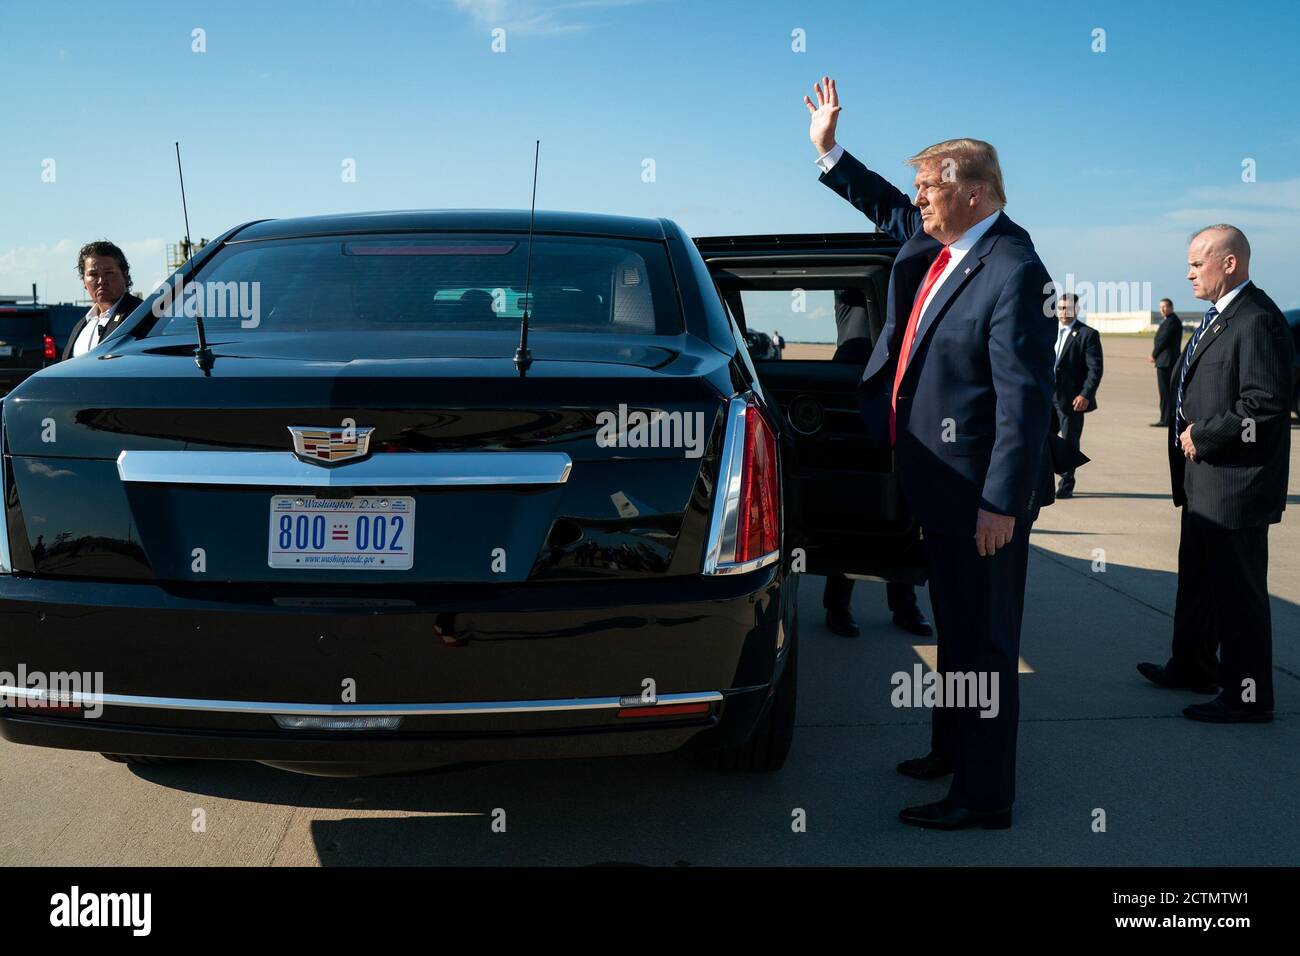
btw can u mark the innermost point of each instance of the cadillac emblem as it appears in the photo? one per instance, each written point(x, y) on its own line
point(323, 444)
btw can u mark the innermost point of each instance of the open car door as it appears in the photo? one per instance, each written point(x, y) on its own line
point(825, 294)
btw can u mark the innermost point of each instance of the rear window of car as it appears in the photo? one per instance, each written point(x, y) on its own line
point(23, 325)
point(463, 282)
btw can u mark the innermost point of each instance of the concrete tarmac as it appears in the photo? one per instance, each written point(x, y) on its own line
point(1095, 738)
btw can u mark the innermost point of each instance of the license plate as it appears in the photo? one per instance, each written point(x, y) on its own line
point(6, 351)
point(342, 534)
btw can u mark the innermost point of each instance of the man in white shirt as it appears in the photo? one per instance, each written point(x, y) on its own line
point(106, 275)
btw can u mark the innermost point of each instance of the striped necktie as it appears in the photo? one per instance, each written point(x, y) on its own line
point(1180, 423)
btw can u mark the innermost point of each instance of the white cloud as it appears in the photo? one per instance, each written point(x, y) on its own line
point(536, 17)
point(1259, 205)
point(1282, 194)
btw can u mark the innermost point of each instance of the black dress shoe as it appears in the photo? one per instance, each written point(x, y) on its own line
point(914, 622)
point(842, 623)
point(1218, 712)
point(1161, 677)
point(928, 767)
point(1064, 493)
point(943, 816)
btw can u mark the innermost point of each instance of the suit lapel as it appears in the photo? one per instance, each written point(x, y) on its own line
point(111, 324)
point(905, 280)
point(73, 336)
point(1216, 329)
point(970, 264)
point(125, 308)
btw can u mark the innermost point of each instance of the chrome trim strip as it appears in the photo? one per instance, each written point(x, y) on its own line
point(281, 469)
point(726, 495)
point(6, 560)
point(350, 710)
point(753, 565)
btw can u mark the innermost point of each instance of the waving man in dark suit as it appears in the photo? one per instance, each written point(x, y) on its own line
point(960, 382)
point(1229, 456)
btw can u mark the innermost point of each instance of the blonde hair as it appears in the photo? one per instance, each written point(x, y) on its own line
point(976, 161)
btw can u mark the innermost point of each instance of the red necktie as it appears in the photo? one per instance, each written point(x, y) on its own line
point(909, 336)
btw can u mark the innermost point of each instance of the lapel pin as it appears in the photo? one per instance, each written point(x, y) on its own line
point(1218, 328)
point(968, 270)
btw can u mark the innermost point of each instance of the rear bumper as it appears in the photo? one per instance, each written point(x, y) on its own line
point(367, 752)
point(490, 674)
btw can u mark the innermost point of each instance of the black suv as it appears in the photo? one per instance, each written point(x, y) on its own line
point(27, 343)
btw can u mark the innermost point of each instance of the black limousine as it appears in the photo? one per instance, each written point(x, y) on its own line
point(354, 535)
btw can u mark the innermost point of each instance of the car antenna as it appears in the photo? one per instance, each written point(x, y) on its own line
point(202, 355)
point(523, 357)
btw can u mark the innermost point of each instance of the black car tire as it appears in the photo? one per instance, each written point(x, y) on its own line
point(767, 747)
point(139, 760)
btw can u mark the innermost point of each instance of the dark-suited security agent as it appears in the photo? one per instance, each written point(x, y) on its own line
point(1229, 457)
point(1078, 374)
point(1166, 348)
point(960, 383)
point(853, 344)
point(106, 275)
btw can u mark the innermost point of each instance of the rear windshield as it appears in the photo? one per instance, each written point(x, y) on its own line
point(24, 325)
point(454, 282)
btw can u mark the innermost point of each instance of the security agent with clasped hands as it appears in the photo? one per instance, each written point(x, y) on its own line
point(1229, 445)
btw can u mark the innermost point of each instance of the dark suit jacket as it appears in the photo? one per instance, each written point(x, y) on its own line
point(980, 372)
point(852, 326)
point(1169, 341)
point(1240, 374)
point(124, 308)
point(1078, 371)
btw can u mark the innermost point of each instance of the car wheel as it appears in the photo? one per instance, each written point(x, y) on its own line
point(139, 760)
point(766, 749)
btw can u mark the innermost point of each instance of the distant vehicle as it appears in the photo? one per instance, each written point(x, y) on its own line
point(27, 343)
point(1293, 319)
point(760, 345)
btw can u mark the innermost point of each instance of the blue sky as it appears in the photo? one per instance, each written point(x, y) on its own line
point(1111, 158)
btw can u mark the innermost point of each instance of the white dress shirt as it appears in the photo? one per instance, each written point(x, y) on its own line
point(1224, 302)
point(957, 250)
point(960, 246)
point(829, 158)
point(1062, 336)
point(1220, 304)
point(93, 330)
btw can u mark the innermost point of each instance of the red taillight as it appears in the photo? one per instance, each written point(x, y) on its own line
point(49, 347)
point(757, 532)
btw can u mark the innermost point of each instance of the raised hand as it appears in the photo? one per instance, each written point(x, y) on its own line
point(824, 116)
